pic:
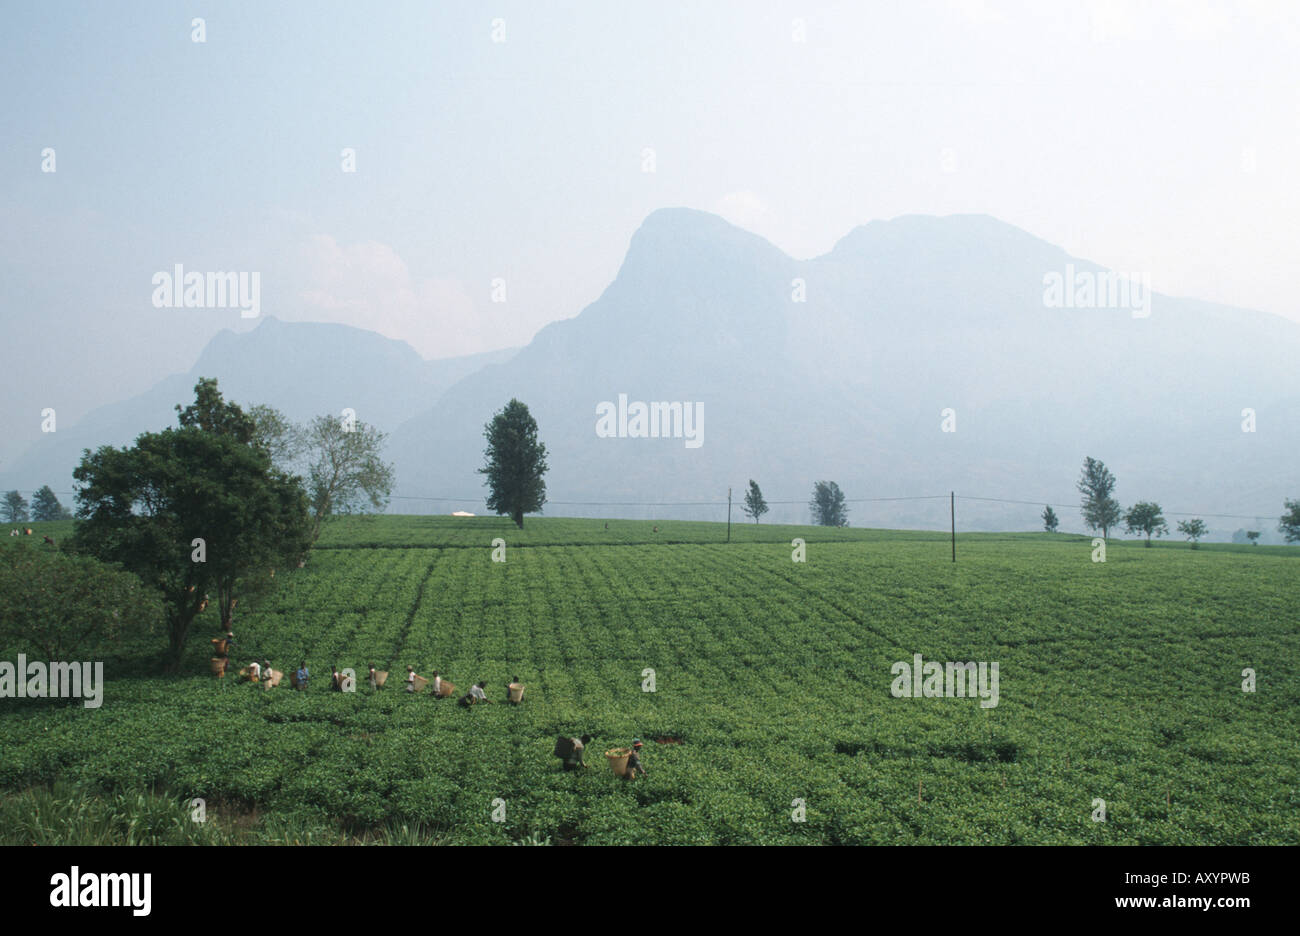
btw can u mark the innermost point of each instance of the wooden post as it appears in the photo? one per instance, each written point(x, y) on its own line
point(952, 513)
point(728, 515)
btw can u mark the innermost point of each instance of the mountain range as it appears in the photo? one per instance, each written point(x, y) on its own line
point(921, 355)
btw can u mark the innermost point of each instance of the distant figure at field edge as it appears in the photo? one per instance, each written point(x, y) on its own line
point(303, 675)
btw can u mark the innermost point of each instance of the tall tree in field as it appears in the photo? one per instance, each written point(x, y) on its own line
point(15, 507)
point(345, 468)
point(1145, 517)
point(1193, 529)
point(516, 463)
point(827, 504)
point(1050, 520)
point(192, 510)
point(754, 505)
point(1100, 510)
point(1253, 536)
point(46, 506)
point(1289, 524)
point(67, 606)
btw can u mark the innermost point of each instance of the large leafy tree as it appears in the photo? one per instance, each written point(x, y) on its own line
point(145, 506)
point(15, 507)
point(66, 605)
point(345, 468)
point(1145, 517)
point(1100, 510)
point(828, 505)
point(46, 506)
point(1289, 524)
point(516, 463)
point(754, 505)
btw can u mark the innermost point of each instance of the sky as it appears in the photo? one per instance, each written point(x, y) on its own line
point(516, 147)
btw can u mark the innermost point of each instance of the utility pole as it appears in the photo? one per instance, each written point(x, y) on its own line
point(952, 512)
point(728, 515)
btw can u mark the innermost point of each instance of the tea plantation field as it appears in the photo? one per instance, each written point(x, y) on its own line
point(1119, 681)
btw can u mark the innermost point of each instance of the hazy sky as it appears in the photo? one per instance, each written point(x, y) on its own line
point(1147, 136)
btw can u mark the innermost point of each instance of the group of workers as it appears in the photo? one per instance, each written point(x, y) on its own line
point(569, 750)
point(260, 672)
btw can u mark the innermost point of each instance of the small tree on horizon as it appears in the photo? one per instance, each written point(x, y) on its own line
point(516, 463)
point(1100, 510)
point(827, 505)
point(754, 505)
point(1193, 529)
point(15, 507)
point(46, 506)
point(1253, 536)
point(1050, 520)
point(1145, 517)
point(1289, 524)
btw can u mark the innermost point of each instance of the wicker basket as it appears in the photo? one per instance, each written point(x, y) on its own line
point(219, 665)
point(618, 760)
point(274, 681)
point(420, 682)
point(516, 692)
point(380, 677)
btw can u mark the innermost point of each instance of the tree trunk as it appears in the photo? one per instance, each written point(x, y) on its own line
point(177, 632)
point(518, 517)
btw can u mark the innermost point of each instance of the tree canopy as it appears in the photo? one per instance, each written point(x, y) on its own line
point(1100, 510)
point(192, 510)
point(516, 463)
point(754, 505)
point(828, 505)
point(1145, 517)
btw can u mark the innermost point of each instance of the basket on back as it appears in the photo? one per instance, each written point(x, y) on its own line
point(381, 677)
point(516, 692)
point(274, 679)
point(419, 682)
point(446, 689)
point(618, 759)
point(219, 665)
